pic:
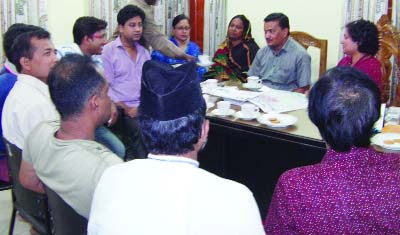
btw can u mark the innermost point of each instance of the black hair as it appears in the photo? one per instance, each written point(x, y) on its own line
point(173, 137)
point(87, 26)
point(12, 33)
point(281, 18)
point(72, 82)
point(365, 34)
point(178, 19)
point(344, 104)
point(128, 12)
point(22, 46)
point(246, 25)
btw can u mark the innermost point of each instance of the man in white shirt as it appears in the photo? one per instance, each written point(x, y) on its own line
point(28, 102)
point(168, 193)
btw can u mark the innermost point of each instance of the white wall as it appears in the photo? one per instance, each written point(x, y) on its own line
point(320, 18)
point(62, 15)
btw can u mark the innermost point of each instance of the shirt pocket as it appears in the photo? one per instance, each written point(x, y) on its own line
point(284, 74)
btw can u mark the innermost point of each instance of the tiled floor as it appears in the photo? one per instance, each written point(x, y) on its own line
point(20, 228)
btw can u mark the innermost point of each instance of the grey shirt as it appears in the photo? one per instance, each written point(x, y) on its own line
point(288, 69)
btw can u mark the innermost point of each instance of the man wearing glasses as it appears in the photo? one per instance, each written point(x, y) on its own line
point(89, 38)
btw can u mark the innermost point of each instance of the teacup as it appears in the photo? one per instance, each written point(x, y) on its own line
point(223, 106)
point(249, 110)
point(254, 81)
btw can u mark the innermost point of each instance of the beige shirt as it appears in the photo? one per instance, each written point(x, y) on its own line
point(152, 35)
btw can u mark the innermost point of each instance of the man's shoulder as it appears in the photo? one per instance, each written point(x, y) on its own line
point(296, 48)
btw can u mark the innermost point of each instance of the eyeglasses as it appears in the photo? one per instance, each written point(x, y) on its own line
point(183, 28)
point(99, 36)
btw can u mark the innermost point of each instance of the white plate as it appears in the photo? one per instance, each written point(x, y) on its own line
point(252, 87)
point(218, 112)
point(379, 139)
point(285, 119)
point(210, 105)
point(240, 115)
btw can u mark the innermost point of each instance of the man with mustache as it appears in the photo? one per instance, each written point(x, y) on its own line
point(283, 64)
point(123, 60)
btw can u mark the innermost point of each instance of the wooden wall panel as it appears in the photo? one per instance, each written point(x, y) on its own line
point(196, 15)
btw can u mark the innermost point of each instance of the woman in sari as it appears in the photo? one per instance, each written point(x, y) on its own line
point(234, 56)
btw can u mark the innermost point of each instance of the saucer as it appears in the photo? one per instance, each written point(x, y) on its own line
point(241, 115)
point(382, 138)
point(255, 87)
point(285, 120)
point(218, 112)
point(204, 64)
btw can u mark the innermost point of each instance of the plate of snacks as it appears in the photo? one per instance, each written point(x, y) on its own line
point(387, 140)
point(277, 120)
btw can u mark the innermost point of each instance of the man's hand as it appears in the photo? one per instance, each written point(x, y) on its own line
point(188, 57)
point(302, 89)
point(131, 112)
point(114, 115)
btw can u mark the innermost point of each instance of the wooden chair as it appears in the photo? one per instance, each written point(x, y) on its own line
point(389, 45)
point(306, 40)
point(65, 220)
point(30, 205)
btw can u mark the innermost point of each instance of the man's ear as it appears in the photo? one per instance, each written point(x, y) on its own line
point(204, 129)
point(25, 63)
point(93, 102)
point(86, 39)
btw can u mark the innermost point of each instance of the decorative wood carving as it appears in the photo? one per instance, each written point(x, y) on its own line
point(389, 45)
point(306, 40)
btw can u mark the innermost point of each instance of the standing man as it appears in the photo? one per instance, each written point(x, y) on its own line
point(123, 60)
point(64, 156)
point(168, 193)
point(28, 102)
point(154, 37)
point(283, 64)
point(89, 39)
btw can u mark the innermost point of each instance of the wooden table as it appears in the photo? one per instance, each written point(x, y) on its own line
point(256, 155)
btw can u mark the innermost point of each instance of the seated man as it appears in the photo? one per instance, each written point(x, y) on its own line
point(123, 60)
point(283, 64)
point(168, 193)
point(28, 102)
point(89, 39)
point(355, 189)
point(64, 156)
point(8, 77)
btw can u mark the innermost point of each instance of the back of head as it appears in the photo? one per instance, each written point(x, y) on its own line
point(281, 18)
point(72, 82)
point(12, 33)
point(172, 108)
point(128, 12)
point(344, 104)
point(22, 46)
point(87, 26)
point(365, 34)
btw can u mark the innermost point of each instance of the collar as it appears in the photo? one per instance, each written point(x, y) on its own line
point(35, 83)
point(10, 67)
point(284, 48)
point(118, 43)
point(173, 159)
point(357, 154)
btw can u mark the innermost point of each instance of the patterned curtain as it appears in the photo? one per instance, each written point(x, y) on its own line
point(16, 11)
point(214, 25)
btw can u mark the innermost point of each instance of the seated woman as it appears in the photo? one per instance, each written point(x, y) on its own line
point(234, 56)
point(180, 37)
point(355, 189)
point(360, 44)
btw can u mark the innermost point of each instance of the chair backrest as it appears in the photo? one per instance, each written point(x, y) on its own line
point(306, 40)
point(30, 205)
point(65, 219)
point(389, 45)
